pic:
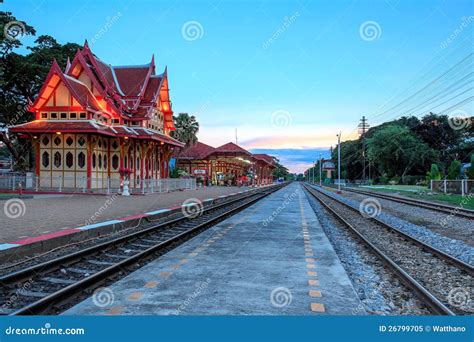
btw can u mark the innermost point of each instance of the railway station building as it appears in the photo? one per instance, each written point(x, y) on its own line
point(228, 164)
point(95, 122)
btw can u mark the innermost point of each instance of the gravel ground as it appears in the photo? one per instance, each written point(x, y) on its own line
point(456, 248)
point(379, 290)
point(439, 276)
point(457, 228)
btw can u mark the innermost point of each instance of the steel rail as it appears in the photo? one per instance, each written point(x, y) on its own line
point(72, 291)
point(429, 299)
point(455, 211)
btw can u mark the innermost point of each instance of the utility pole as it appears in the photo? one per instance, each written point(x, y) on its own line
point(363, 127)
point(314, 171)
point(320, 169)
point(339, 162)
point(236, 140)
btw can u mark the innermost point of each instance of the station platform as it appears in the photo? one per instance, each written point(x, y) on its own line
point(38, 220)
point(272, 258)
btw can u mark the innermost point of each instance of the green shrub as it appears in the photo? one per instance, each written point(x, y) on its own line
point(454, 170)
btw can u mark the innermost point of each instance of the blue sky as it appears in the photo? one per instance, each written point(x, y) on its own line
point(288, 75)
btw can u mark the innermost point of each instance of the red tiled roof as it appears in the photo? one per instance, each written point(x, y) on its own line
point(264, 157)
point(91, 126)
point(231, 148)
point(82, 93)
point(152, 88)
point(50, 126)
point(129, 92)
point(131, 79)
point(198, 151)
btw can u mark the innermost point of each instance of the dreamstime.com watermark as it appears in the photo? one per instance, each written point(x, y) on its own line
point(281, 119)
point(465, 22)
point(370, 30)
point(281, 207)
point(14, 208)
point(200, 288)
point(287, 22)
point(103, 297)
point(46, 330)
point(192, 208)
point(460, 297)
point(370, 208)
point(109, 22)
point(19, 292)
point(14, 30)
point(192, 30)
point(101, 210)
point(281, 297)
point(22, 112)
point(466, 199)
point(460, 119)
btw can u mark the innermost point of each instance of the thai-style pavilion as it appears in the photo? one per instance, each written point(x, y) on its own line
point(226, 164)
point(94, 121)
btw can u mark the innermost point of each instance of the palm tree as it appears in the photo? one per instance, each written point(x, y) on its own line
point(186, 128)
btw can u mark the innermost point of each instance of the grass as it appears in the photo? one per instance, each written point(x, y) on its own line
point(420, 192)
point(404, 188)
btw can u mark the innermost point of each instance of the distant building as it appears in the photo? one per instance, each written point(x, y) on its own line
point(226, 164)
point(329, 167)
point(94, 120)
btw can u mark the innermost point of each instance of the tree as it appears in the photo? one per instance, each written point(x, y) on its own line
point(434, 173)
point(21, 77)
point(435, 130)
point(351, 159)
point(454, 170)
point(396, 151)
point(186, 128)
point(279, 170)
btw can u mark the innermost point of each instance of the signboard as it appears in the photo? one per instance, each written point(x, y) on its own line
point(199, 172)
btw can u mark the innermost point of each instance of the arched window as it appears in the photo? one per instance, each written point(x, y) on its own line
point(57, 159)
point(125, 162)
point(81, 160)
point(45, 159)
point(94, 160)
point(69, 159)
point(100, 161)
point(81, 141)
point(115, 162)
point(105, 162)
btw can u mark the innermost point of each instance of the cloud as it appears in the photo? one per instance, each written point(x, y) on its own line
point(296, 160)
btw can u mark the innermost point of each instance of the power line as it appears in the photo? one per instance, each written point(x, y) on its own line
point(434, 81)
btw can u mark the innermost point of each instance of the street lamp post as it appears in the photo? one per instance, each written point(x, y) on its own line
point(320, 169)
point(339, 162)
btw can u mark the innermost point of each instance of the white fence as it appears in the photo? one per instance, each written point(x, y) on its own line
point(461, 187)
point(30, 182)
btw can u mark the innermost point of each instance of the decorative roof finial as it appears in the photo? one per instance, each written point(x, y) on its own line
point(68, 65)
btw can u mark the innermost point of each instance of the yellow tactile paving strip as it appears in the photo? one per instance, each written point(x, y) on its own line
point(136, 296)
point(311, 264)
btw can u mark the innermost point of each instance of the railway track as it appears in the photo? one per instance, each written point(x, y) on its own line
point(429, 272)
point(439, 207)
point(48, 287)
